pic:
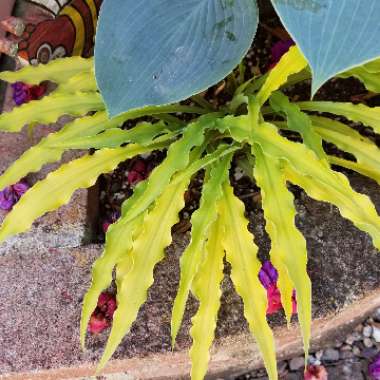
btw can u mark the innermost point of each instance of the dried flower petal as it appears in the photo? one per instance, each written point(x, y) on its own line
point(102, 316)
point(11, 195)
point(278, 50)
point(268, 274)
point(374, 368)
point(138, 172)
point(24, 93)
point(315, 372)
point(274, 300)
point(97, 324)
point(7, 199)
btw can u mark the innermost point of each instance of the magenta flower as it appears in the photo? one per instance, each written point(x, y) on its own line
point(268, 276)
point(101, 318)
point(138, 172)
point(278, 50)
point(374, 368)
point(24, 93)
point(315, 372)
point(112, 219)
point(11, 195)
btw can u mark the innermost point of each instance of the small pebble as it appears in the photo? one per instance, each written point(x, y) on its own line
point(367, 331)
point(319, 354)
point(356, 351)
point(368, 342)
point(296, 363)
point(350, 340)
point(376, 334)
point(369, 353)
point(344, 355)
point(330, 355)
point(376, 316)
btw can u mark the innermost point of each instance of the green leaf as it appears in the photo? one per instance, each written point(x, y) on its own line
point(291, 62)
point(334, 36)
point(143, 134)
point(201, 220)
point(288, 252)
point(196, 44)
point(119, 240)
point(299, 122)
point(84, 82)
point(206, 288)
point(148, 249)
point(177, 159)
point(347, 139)
point(245, 266)
point(58, 71)
point(57, 188)
point(368, 74)
point(208, 159)
point(46, 150)
point(355, 166)
point(360, 113)
point(49, 109)
point(319, 181)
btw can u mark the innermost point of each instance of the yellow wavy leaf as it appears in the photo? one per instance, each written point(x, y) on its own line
point(242, 255)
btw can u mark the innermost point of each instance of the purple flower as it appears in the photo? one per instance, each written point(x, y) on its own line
point(24, 93)
point(278, 50)
point(374, 368)
point(268, 274)
point(11, 194)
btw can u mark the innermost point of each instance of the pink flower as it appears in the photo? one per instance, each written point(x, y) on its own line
point(113, 218)
point(138, 172)
point(11, 195)
point(268, 276)
point(101, 318)
point(97, 324)
point(107, 304)
point(24, 93)
point(315, 372)
point(374, 368)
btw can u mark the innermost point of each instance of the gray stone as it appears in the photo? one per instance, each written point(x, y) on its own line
point(368, 342)
point(367, 331)
point(297, 363)
point(356, 350)
point(376, 315)
point(319, 354)
point(369, 353)
point(376, 334)
point(330, 355)
point(344, 355)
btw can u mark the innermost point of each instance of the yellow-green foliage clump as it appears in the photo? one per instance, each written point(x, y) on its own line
point(251, 124)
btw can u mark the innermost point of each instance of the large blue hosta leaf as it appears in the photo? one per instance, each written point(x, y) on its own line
point(334, 35)
point(151, 52)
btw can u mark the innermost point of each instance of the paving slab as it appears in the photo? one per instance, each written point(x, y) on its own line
point(70, 226)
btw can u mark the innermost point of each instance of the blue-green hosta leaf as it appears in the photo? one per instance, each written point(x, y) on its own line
point(334, 35)
point(158, 52)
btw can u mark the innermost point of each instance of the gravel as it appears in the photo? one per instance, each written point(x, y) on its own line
point(345, 360)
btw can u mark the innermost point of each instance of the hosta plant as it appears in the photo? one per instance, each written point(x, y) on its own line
point(249, 124)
